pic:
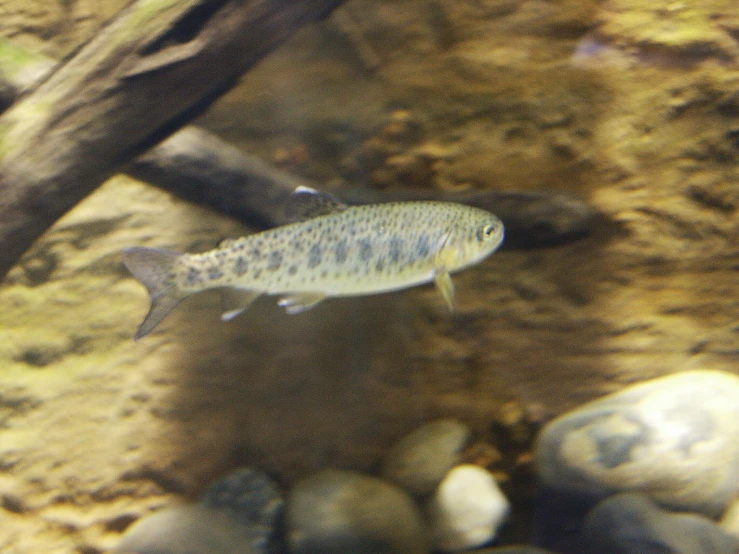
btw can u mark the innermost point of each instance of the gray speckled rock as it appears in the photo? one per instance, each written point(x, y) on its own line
point(238, 514)
point(340, 512)
point(252, 499)
point(420, 460)
point(631, 523)
point(676, 437)
point(467, 509)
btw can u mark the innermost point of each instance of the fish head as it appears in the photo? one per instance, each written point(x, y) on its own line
point(469, 241)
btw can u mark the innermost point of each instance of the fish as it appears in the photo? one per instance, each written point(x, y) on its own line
point(329, 250)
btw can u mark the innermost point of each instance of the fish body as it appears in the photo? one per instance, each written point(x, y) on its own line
point(343, 251)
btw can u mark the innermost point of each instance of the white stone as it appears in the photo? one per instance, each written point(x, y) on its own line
point(467, 509)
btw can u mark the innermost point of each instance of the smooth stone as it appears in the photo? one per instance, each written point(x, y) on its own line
point(337, 512)
point(467, 509)
point(420, 460)
point(631, 523)
point(187, 529)
point(237, 514)
point(675, 437)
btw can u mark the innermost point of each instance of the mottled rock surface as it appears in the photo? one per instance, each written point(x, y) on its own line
point(96, 431)
point(675, 438)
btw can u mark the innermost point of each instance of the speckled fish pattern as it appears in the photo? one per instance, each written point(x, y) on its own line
point(346, 251)
point(361, 250)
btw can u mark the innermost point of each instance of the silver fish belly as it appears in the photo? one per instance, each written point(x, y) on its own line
point(344, 251)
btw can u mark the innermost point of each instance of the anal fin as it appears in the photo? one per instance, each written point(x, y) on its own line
point(445, 286)
point(235, 301)
point(300, 301)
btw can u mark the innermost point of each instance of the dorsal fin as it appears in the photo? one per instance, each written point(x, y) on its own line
point(306, 203)
point(225, 243)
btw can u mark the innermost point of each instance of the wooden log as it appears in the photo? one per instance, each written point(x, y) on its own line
point(146, 74)
point(200, 167)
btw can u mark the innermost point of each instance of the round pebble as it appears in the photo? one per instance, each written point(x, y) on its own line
point(630, 523)
point(186, 529)
point(676, 438)
point(335, 512)
point(420, 460)
point(467, 509)
point(237, 514)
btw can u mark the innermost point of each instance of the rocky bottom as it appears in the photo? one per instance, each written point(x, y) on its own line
point(650, 469)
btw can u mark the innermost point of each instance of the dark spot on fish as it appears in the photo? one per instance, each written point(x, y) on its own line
point(257, 273)
point(365, 250)
point(341, 251)
point(422, 247)
point(396, 249)
point(214, 272)
point(256, 252)
point(324, 274)
point(314, 256)
point(380, 265)
point(193, 276)
point(240, 266)
point(274, 261)
point(293, 269)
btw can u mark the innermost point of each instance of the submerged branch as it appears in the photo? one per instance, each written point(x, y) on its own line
point(146, 74)
point(200, 167)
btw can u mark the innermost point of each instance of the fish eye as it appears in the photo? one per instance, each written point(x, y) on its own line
point(485, 231)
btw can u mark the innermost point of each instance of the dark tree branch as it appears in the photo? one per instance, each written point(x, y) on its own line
point(153, 68)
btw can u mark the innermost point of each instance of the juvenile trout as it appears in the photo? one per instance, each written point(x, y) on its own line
point(336, 250)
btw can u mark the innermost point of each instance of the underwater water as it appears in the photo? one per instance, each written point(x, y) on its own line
point(581, 397)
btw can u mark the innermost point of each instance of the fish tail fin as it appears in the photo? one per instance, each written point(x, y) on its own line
point(153, 268)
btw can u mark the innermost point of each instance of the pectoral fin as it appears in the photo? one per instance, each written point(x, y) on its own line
point(300, 302)
point(445, 286)
point(235, 301)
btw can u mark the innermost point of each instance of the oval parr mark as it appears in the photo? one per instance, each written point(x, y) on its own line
point(342, 250)
point(314, 256)
point(274, 261)
point(365, 250)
